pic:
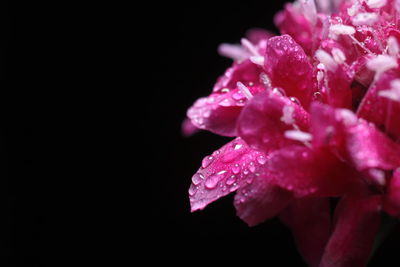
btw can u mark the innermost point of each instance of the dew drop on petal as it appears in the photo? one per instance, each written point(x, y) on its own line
point(192, 190)
point(261, 159)
point(236, 168)
point(207, 161)
point(197, 178)
point(212, 181)
point(231, 180)
point(234, 187)
point(252, 167)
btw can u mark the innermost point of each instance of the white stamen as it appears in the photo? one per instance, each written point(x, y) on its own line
point(250, 47)
point(221, 172)
point(245, 91)
point(287, 116)
point(376, 3)
point(258, 60)
point(339, 29)
point(298, 135)
point(309, 10)
point(321, 66)
point(393, 46)
point(378, 176)
point(348, 117)
point(382, 63)
point(351, 11)
point(265, 79)
point(365, 19)
point(393, 93)
point(326, 59)
point(235, 52)
point(320, 76)
point(360, 44)
point(338, 55)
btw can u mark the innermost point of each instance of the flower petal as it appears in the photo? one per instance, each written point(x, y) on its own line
point(223, 172)
point(392, 200)
point(310, 222)
point(260, 200)
point(357, 223)
point(266, 117)
point(369, 148)
point(188, 128)
point(308, 172)
point(383, 112)
point(289, 68)
point(219, 111)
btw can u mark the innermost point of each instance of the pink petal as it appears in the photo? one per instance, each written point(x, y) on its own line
point(392, 199)
point(289, 68)
point(370, 148)
point(308, 172)
point(219, 111)
point(260, 200)
point(223, 172)
point(263, 122)
point(257, 35)
point(310, 222)
point(188, 128)
point(357, 223)
point(384, 112)
point(292, 22)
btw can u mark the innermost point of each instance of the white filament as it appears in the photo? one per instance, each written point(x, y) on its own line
point(365, 19)
point(245, 91)
point(298, 135)
point(339, 29)
point(250, 47)
point(326, 59)
point(393, 46)
point(338, 55)
point(258, 60)
point(376, 3)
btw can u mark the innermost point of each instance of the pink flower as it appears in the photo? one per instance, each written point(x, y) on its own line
point(315, 114)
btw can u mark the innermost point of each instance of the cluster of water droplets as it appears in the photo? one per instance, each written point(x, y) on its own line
point(224, 171)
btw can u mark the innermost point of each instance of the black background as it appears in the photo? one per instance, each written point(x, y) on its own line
point(185, 66)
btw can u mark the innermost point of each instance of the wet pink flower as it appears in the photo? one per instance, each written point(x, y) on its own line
point(315, 113)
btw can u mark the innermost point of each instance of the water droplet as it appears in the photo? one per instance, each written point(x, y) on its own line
point(207, 161)
point(234, 187)
point(245, 171)
point(251, 83)
point(197, 178)
point(252, 167)
point(238, 96)
point(295, 100)
point(212, 181)
point(261, 159)
point(279, 91)
point(225, 90)
point(236, 168)
point(192, 190)
point(237, 146)
point(231, 180)
point(250, 179)
point(225, 103)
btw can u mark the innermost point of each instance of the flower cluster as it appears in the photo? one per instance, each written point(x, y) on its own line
point(315, 113)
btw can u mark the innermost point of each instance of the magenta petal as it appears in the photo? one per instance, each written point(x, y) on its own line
point(223, 172)
point(310, 222)
point(219, 111)
point(262, 122)
point(392, 200)
point(369, 148)
point(308, 172)
point(289, 68)
point(383, 112)
point(357, 223)
point(260, 200)
point(188, 128)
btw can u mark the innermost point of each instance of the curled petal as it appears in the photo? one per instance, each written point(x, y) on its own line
point(223, 172)
point(392, 200)
point(260, 200)
point(289, 68)
point(357, 223)
point(310, 222)
point(219, 111)
point(266, 117)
